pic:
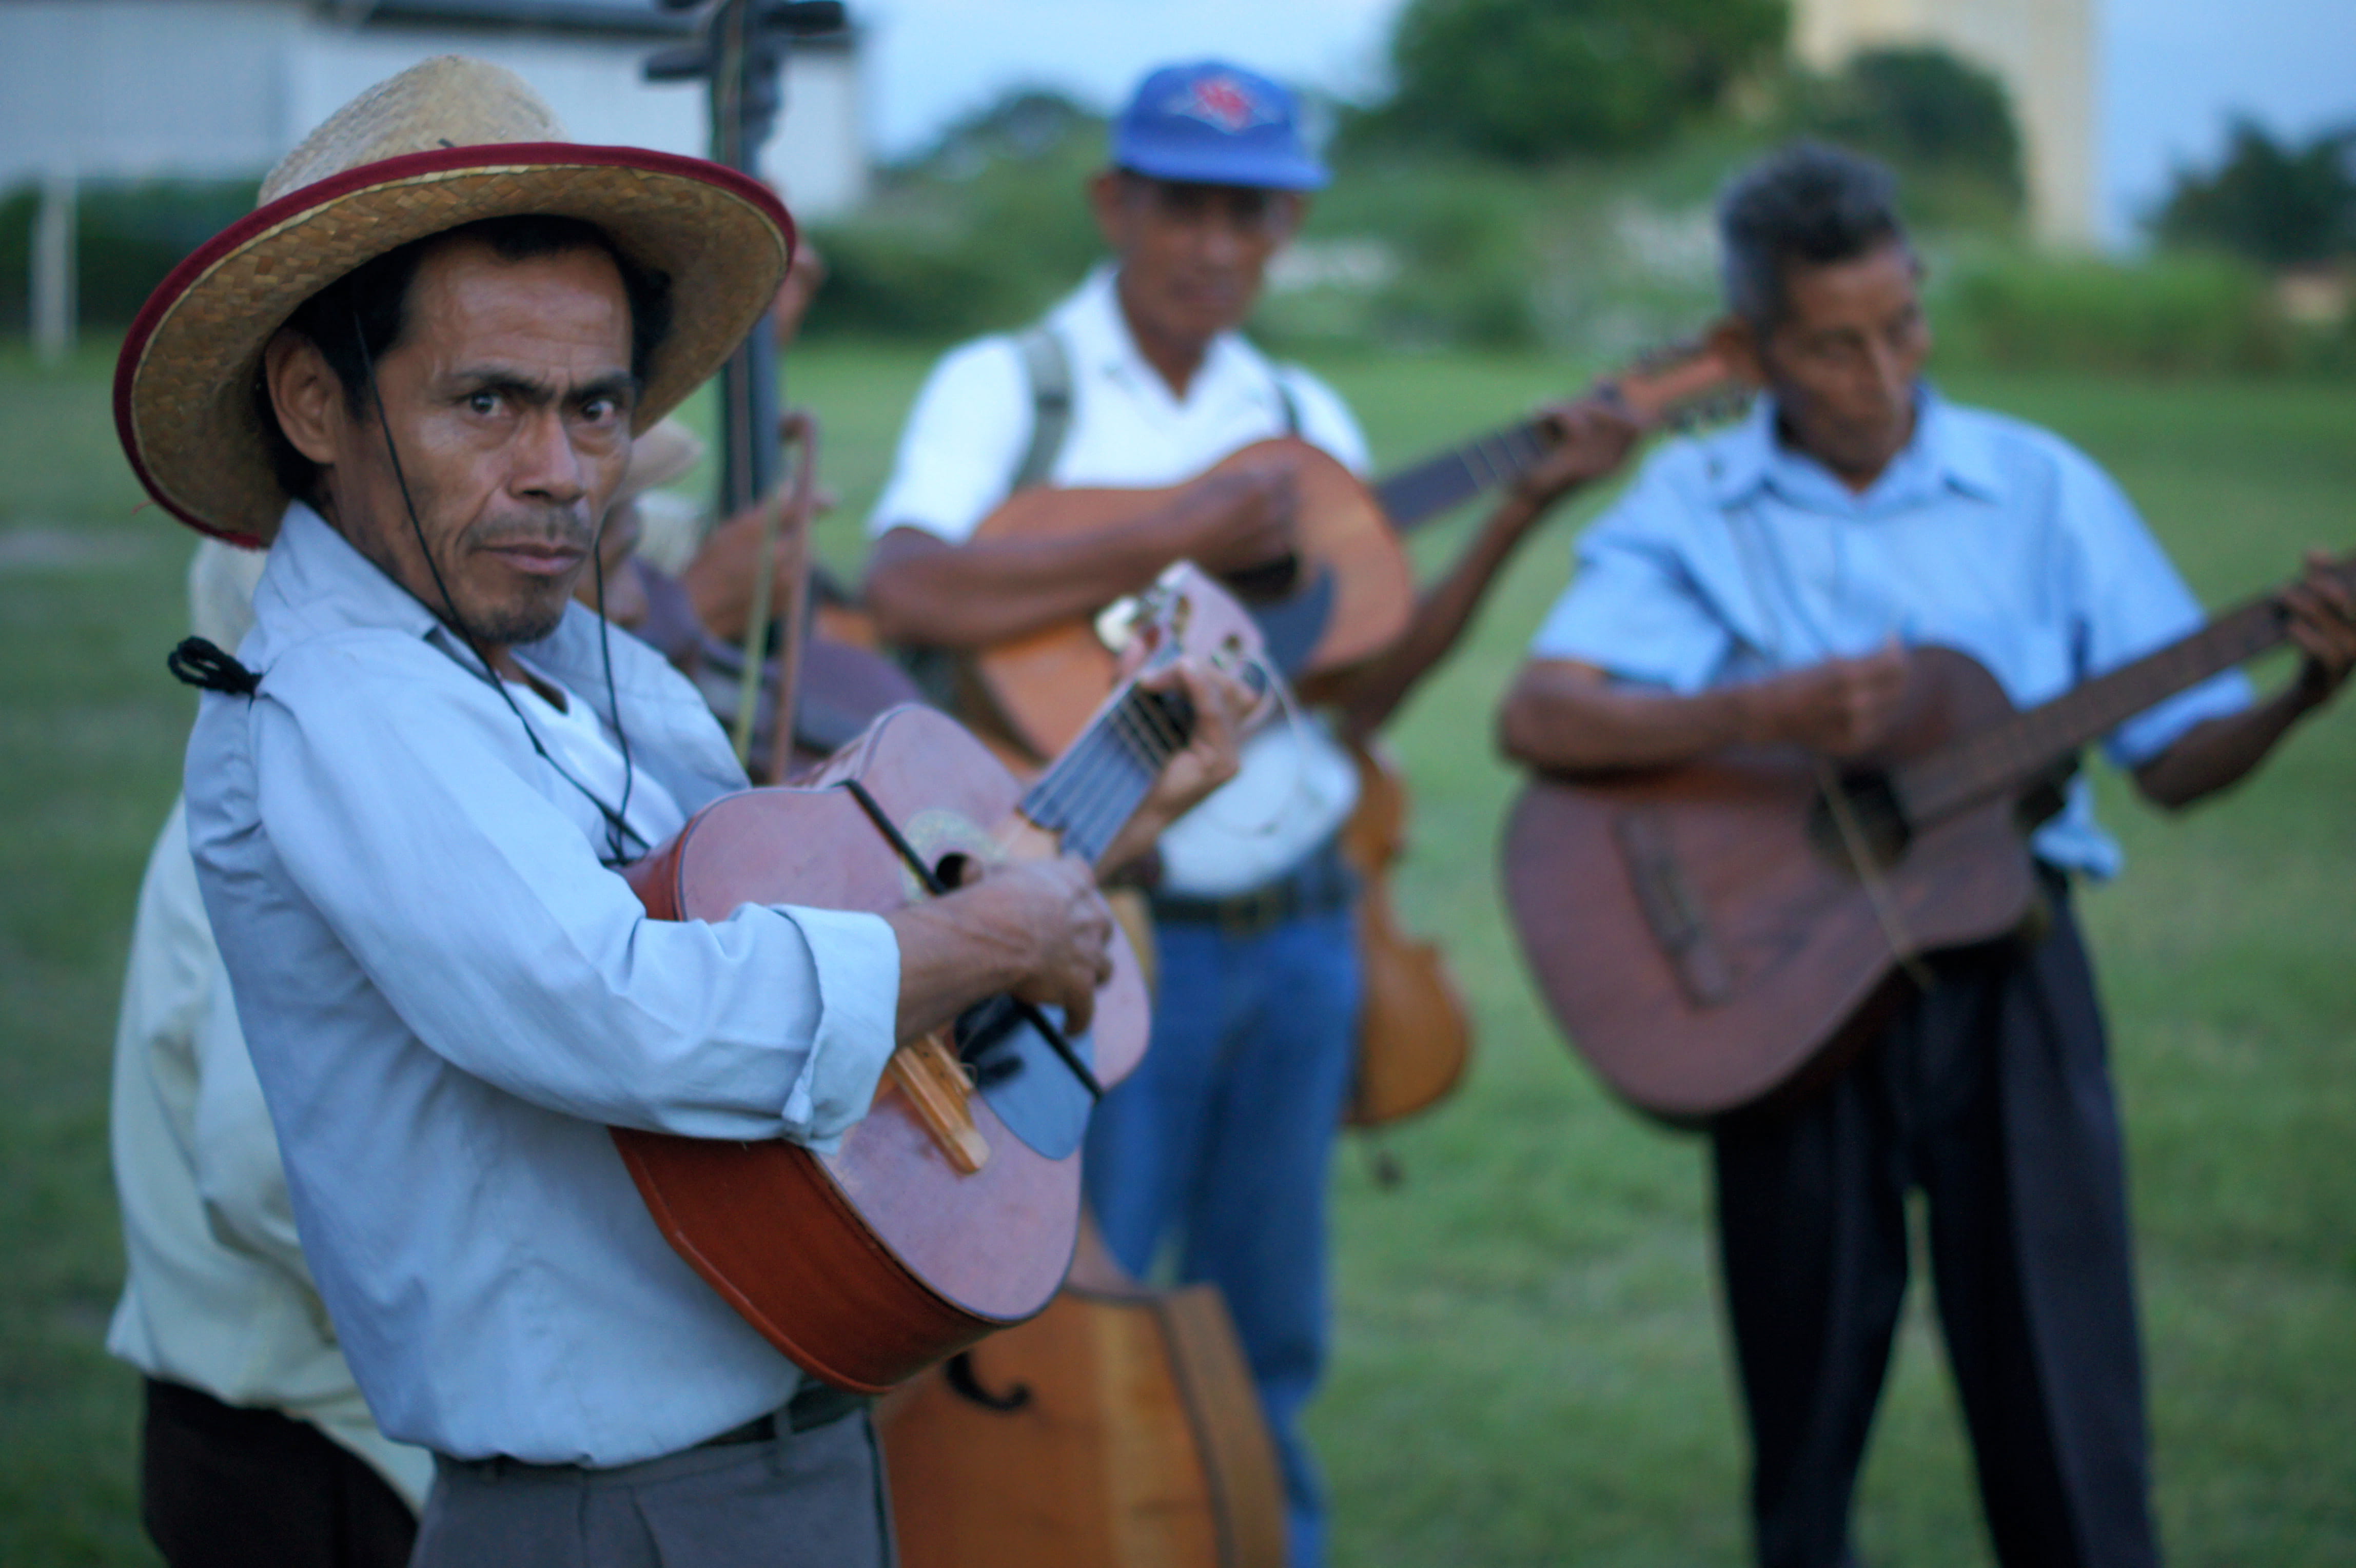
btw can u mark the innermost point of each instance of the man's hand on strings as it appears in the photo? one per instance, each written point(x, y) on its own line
point(2323, 628)
point(1233, 520)
point(1036, 928)
point(1591, 436)
point(1208, 759)
point(1841, 707)
point(1055, 902)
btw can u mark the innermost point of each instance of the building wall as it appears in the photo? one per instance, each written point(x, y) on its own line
point(136, 89)
point(2043, 51)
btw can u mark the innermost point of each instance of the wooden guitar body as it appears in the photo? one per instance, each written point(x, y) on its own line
point(864, 1265)
point(1117, 1429)
point(1414, 1034)
point(1700, 932)
point(1355, 589)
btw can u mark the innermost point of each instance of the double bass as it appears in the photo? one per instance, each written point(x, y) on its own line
point(820, 679)
point(1117, 1429)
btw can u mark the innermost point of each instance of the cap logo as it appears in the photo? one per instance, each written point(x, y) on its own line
point(1225, 103)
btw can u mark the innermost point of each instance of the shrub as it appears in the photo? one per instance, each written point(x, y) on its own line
point(2167, 316)
point(1529, 80)
point(1946, 125)
point(128, 236)
point(978, 233)
point(2275, 204)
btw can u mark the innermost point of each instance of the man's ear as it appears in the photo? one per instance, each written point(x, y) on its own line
point(1295, 208)
point(305, 394)
point(1736, 341)
point(1109, 200)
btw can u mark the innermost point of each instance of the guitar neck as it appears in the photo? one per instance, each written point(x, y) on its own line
point(2007, 757)
point(1688, 381)
point(1092, 790)
point(1416, 495)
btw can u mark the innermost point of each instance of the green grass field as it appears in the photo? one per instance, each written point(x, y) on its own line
point(1528, 1367)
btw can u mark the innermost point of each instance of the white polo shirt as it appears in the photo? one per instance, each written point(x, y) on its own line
point(966, 437)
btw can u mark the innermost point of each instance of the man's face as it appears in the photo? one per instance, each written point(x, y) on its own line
point(1844, 359)
point(1192, 256)
point(508, 398)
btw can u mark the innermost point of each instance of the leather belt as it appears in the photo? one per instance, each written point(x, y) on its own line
point(817, 1405)
point(1321, 884)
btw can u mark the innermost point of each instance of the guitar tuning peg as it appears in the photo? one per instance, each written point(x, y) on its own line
point(1117, 622)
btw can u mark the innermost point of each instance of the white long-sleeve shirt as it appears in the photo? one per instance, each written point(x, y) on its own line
point(448, 999)
point(216, 1295)
point(964, 440)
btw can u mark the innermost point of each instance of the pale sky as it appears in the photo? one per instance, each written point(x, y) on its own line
point(2173, 70)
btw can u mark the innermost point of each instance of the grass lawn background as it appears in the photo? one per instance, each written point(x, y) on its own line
point(1528, 1368)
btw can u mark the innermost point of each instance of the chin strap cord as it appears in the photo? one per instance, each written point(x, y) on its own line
point(199, 664)
point(619, 833)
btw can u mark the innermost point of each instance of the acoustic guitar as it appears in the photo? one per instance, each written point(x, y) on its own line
point(1349, 595)
point(1347, 591)
point(1717, 935)
point(951, 1209)
point(1117, 1429)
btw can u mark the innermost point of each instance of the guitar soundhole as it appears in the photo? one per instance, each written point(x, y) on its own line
point(1876, 820)
point(953, 868)
point(1270, 580)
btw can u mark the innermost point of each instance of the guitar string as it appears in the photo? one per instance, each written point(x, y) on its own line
point(1074, 791)
point(1854, 844)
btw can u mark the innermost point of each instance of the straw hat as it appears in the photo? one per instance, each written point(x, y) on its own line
point(443, 144)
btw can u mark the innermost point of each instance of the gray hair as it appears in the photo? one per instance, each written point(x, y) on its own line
point(1809, 203)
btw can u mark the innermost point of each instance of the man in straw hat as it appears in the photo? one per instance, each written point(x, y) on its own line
point(256, 1445)
point(415, 372)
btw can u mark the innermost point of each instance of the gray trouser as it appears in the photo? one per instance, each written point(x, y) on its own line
point(805, 1500)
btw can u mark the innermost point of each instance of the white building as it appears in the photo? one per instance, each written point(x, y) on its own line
point(2044, 52)
point(221, 89)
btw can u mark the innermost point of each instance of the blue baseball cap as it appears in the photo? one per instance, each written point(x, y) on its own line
point(1214, 124)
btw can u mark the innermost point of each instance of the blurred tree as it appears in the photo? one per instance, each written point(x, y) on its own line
point(1939, 118)
point(979, 232)
point(1025, 125)
point(2273, 203)
point(1527, 79)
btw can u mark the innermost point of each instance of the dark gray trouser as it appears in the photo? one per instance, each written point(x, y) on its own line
point(810, 1499)
point(1992, 1096)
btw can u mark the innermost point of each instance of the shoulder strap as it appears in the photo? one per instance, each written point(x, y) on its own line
point(1284, 397)
point(1047, 365)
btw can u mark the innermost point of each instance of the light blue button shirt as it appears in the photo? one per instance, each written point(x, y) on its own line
point(1733, 557)
point(448, 999)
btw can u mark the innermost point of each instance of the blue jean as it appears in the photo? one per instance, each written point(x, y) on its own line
point(1223, 1134)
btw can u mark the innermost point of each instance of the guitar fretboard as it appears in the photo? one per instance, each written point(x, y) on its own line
point(1101, 780)
point(1681, 384)
point(1416, 495)
point(2004, 758)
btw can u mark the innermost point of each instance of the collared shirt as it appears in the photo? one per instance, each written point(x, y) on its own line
point(958, 454)
point(1733, 557)
point(448, 997)
point(216, 1295)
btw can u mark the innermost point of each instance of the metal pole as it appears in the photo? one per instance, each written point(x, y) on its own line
point(53, 269)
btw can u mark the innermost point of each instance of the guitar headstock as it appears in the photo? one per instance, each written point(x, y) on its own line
point(1680, 386)
point(1187, 613)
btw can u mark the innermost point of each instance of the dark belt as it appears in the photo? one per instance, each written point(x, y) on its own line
point(1321, 884)
point(817, 1405)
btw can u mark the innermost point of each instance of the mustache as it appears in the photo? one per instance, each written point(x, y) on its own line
point(548, 528)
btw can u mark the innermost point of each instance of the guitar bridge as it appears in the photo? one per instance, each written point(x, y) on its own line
point(1671, 909)
point(928, 1072)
